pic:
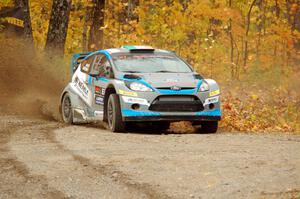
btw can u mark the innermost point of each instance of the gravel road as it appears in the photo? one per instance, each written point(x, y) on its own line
point(46, 159)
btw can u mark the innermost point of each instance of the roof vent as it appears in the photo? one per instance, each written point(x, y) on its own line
point(139, 48)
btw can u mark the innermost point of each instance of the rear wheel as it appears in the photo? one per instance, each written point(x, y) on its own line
point(114, 116)
point(66, 109)
point(209, 127)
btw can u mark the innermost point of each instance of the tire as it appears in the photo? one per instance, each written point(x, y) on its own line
point(114, 116)
point(209, 127)
point(66, 109)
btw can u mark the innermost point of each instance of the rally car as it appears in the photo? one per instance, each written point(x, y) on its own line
point(133, 84)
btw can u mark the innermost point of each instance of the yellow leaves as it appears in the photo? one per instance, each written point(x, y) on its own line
point(6, 3)
point(92, 46)
point(255, 114)
point(103, 27)
point(254, 96)
point(294, 8)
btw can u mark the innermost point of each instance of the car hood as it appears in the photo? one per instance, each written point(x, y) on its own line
point(167, 80)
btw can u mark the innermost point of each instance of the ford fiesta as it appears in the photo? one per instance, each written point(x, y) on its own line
point(139, 84)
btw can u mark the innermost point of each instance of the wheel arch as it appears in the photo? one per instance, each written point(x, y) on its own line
point(108, 91)
point(61, 100)
point(68, 90)
point(213, 85)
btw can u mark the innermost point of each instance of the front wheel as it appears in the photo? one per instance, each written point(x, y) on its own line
point(209, 127)
point(114, 116)
point(66, 109)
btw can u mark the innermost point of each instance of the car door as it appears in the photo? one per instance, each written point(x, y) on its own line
point(81, 79)
point(101, 81)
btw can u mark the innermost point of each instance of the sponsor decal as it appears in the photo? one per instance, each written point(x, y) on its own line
point(99, 95)
point(99, 99)
point(100, 91)
point(82, 87)
point(128, 93)
point(211, 100)
point(176, 88)
point(135, 100)
point(213, 93)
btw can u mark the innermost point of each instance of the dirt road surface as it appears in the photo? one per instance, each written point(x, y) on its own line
point(46, 159)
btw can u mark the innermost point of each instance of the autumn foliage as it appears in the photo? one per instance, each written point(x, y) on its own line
point(252, 48)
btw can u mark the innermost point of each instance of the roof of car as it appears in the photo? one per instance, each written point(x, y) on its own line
point(134, 49)
point(127, 49)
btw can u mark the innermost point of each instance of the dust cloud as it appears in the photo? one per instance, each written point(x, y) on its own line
point(30, 82)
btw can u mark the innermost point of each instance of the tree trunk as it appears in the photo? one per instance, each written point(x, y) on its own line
point(260, 26)
point(293, 15)
point(86, 25)
point(27, 32)
point(247, 33)
point(234, 64)
point(231, 44)
point(58, 26)
point(277, 8)
point(96, 32)
point(132, 4)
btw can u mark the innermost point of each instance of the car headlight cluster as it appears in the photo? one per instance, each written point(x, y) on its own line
point(136, 86)
point(204, 87)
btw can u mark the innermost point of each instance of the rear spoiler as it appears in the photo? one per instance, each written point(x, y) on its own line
point(76, 60)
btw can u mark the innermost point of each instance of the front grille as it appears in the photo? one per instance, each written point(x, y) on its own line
point(170, 88)
point(178, 104)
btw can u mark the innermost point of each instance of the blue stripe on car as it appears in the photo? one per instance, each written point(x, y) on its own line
point(105, 52)
point(132, 113)
point(187, 91)
point(139, 81)
point(199, 84)
point(216, 112)
point(90, 80)
point(166, 91)
point(103, 79)
point(172, 92)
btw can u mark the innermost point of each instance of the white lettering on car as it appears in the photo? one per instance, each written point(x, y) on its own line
point(211, 100)
point(82, 88)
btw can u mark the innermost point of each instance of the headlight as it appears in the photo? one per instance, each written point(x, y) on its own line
point(204, 87)
point(135, 86)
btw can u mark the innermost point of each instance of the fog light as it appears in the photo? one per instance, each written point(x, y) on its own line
point(211, 106)
point(135, 106)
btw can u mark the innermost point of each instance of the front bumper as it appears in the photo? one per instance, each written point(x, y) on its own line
point(131, 115)
point(146, 112)
point(171, 118)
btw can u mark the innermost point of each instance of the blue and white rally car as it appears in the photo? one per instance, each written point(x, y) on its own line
point(139, 84)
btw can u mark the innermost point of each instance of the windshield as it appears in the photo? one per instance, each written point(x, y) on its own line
point(150, 63)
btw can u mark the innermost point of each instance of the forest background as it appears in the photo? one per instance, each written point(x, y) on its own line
point(251, 48)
